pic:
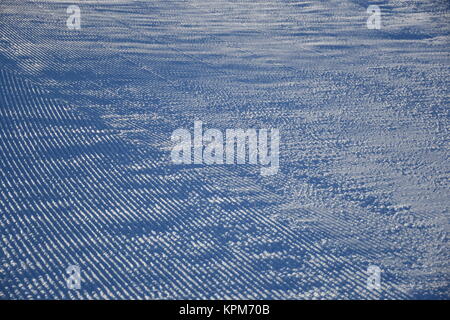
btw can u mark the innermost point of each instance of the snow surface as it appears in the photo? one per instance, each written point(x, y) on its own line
point(86, 178)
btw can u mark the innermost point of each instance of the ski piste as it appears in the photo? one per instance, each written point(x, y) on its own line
point(92, 205)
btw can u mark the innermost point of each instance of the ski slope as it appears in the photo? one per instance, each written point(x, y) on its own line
point(86, 176)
